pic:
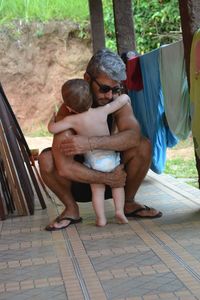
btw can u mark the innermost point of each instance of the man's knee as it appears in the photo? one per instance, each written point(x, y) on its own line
point(140, 153)
point(145, 149)
point(45, 161)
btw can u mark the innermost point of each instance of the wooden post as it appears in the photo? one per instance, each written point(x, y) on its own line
point(124, 25)
point(97, 24)
point(190, 22)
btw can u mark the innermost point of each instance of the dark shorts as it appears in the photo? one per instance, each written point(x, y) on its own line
point(82, 191)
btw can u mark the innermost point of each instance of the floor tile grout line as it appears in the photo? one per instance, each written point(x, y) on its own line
point(92, 281)
point(73, 257)
point(176, 256)
point(194, 287)
point(30, 284)
point(76, 266)
point(175, 189)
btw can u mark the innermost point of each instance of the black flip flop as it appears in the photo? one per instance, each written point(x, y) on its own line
point(60, 219)
point(134, 214)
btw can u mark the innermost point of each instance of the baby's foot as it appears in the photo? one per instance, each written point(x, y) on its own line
point(121, 218)
point(100, 222)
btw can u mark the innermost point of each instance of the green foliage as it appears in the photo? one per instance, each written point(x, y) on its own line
point(156, 23)
point(109, 25)
point(43, 10)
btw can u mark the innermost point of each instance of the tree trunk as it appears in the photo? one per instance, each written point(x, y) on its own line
point(97, 24)
point(124, 26)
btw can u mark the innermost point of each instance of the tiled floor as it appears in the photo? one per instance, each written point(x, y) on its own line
point(143, 260)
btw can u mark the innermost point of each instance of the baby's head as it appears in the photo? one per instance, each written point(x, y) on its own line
point(76, 95)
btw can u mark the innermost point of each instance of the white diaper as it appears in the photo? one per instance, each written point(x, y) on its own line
point(102, 160)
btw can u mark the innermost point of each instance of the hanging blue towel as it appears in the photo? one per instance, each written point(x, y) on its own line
point(148, 107)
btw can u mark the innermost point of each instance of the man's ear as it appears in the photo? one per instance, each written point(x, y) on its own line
point(87, 77)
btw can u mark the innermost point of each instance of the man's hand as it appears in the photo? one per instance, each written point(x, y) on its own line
point(116, 178)
point(75, 144)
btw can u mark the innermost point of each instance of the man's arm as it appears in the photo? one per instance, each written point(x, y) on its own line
point(75, 171)
point(116, 104)
point(129, 136)
point(78, 172)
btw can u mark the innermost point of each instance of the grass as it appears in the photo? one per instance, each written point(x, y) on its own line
point(183, 166)
point(43, 10)
point(183, 169)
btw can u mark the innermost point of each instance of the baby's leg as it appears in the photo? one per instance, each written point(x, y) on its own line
point(98, 191)
point(119, 198)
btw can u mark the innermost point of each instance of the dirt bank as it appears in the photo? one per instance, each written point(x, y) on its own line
point(35, 59)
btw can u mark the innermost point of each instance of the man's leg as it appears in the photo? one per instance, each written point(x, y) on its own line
point(60, 186)
point(137, 162)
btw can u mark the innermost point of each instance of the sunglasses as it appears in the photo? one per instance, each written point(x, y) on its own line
point(106, 88)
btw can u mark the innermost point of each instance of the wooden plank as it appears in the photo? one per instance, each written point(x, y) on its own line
point(97, 24)
point(9, 126)
point(2, 211)
point(25, 152)
point(124, 26)
point(17, 193)
point(5, 189)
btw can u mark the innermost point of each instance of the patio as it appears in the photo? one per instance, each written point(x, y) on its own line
point(143, 260)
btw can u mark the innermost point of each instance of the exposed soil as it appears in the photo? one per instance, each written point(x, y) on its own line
point(184, 153)
point(35, 60)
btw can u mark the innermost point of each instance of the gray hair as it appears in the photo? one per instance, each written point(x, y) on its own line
point(108, 62)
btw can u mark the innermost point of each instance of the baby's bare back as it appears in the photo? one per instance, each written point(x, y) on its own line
point(92, 123)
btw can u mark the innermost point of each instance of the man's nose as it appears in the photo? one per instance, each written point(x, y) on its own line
point(108, 95)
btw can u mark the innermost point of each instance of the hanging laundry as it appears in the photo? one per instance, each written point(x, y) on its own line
point(175, 89)
point(134, 75)
point(148, 108)
point(195, 90)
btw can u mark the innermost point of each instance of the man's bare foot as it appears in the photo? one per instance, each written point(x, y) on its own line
point(63, 221)
point(137, 210)
point(121, 218)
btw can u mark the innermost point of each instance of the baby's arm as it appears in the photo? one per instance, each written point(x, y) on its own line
point(117, 103)
point(56, 127)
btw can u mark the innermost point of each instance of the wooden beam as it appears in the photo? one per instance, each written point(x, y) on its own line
point(124, 25)
point(97, 24)
point(190, 22)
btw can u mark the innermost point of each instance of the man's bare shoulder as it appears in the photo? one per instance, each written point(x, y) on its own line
point(125, 118)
